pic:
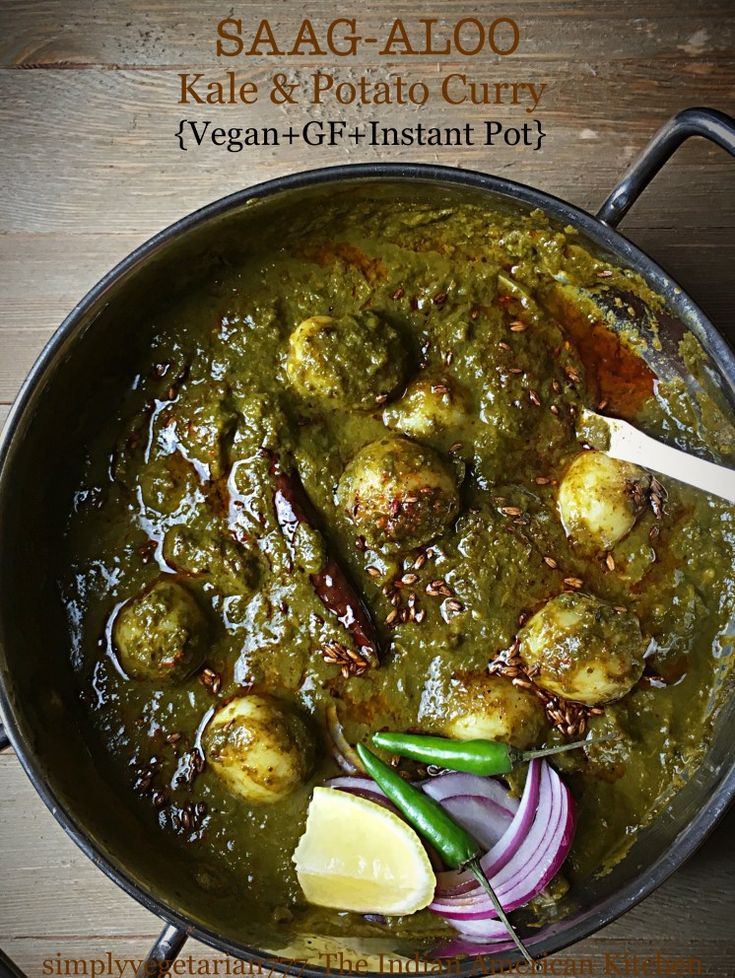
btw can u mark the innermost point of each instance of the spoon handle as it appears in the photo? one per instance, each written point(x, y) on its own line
point(630, 445)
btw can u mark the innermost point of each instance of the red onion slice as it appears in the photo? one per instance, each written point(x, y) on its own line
point(531, 869)
point(375, 799)
point(461, 947)
point(355, 783)
point(362, 788)
point(482, 818)
point(455, 883)
point(480, 923)
point(474, 902)
point(342, 751)
point(455, 783)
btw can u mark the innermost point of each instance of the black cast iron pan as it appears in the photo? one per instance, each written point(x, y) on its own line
point(79, 372)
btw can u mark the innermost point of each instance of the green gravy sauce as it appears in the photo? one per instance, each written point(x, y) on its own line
point(525, 326)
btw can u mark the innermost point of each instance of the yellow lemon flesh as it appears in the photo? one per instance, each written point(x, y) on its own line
point(356, 855)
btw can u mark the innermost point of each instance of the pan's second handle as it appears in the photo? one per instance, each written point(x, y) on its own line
point(157, 964)
point(710, 123)
point(163, 953)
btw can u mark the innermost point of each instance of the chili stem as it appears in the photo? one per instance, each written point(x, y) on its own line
point(476, 869)
point(528, 755)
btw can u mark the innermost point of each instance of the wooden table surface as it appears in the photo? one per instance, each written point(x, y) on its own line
point(91, 167)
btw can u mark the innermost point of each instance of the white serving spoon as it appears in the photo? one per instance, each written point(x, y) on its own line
point(630, 445)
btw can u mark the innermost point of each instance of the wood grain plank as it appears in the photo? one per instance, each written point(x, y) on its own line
point(54, 32)
point(45, 275)
point(142, 181)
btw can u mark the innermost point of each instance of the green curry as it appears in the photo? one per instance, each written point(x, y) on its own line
point(343, 479)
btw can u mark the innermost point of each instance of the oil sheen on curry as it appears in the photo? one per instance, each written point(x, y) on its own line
point(346, 493)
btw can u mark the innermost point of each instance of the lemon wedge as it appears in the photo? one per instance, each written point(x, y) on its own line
point(356, 855)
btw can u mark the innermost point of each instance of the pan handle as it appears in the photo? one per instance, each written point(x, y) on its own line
point(710, 123)
point(157, 963)
point(163, 953)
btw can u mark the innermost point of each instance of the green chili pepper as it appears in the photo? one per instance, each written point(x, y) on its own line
point(454, 844)
point(451, 841)
point(483, 757)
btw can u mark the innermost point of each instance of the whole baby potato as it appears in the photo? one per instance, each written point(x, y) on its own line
point(350, 361)
point(260, 748)
point(161, 633)
point(399, 493)
point(489, 707)
point(433, 408)
point(600, 498)
point(585, 649)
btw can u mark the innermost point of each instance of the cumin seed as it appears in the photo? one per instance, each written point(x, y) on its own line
point(511, 510)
